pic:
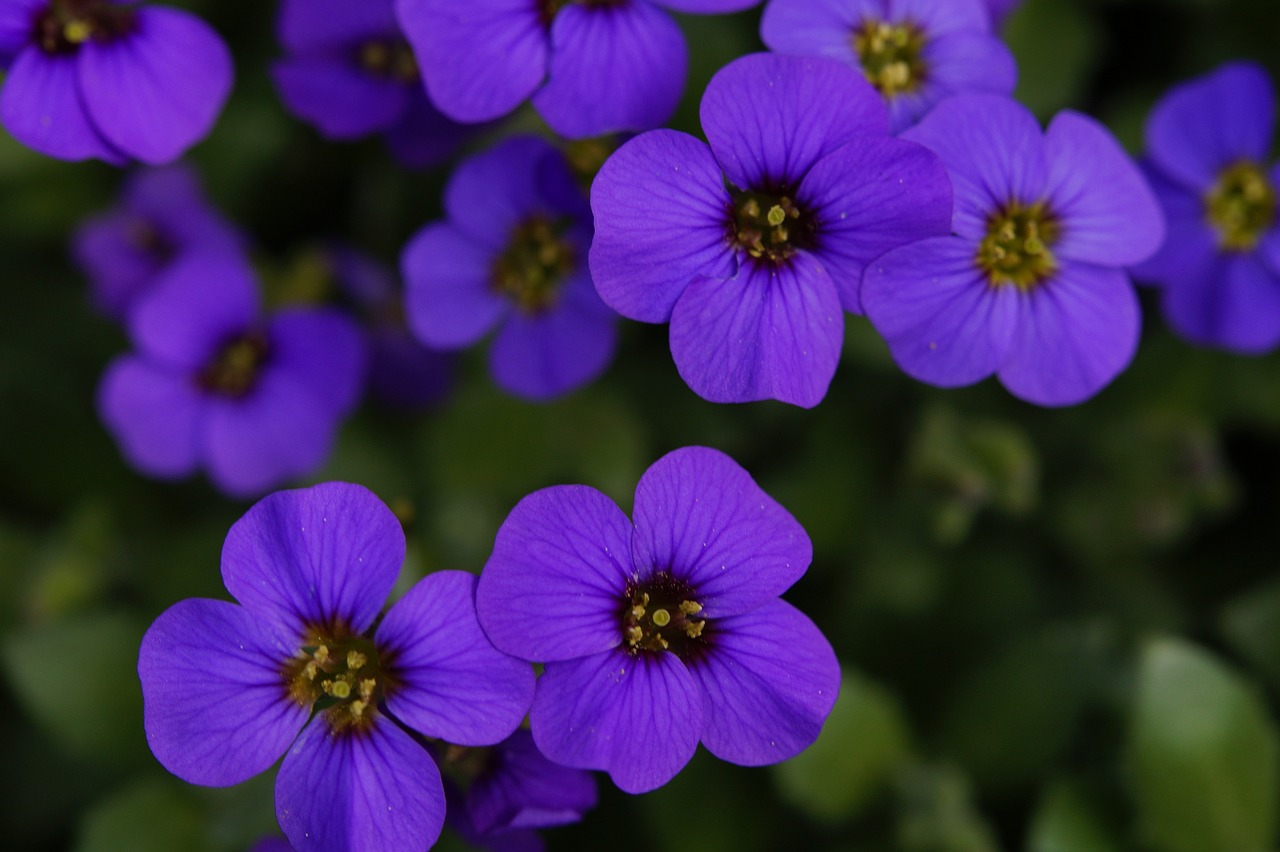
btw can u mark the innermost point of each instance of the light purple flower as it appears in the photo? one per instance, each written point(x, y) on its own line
point(751, 246)
point(915, 52)
point(662, 634)
point(108, 79)
point(162, 215)
point(299, 670)
point(591, 68)
point(214, 385)
point(1031, 285)
point(511, 255)
point(1208, 158)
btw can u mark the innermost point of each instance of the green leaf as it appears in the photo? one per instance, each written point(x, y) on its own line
point(1203, 754)
point(1070, 820)
point(1055, 43)
point(152, 816)
point(1251, 623)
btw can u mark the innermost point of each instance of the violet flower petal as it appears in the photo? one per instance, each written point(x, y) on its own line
point(450, 298)
point(423, 136)
point(1235, 304)
point(1190, 247)
point(334, 25)
point(343, 103)
point(707, 7)
point(323, 351)
point(41, 107)
point(16, 19)
point(493, 192)
point(523, 789)
point(155, 415)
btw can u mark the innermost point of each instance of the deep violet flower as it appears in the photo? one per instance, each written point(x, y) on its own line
point(228, 689)
point(1208, 147)
point(107, 79)
point(664, 633)
point(1031, 285)
point(915, 52)
point(1001, 9)
point(511, 255)
point(752, 245)
point(349, 71)
point(162, 215)
point(214, 385)
point(591, 67)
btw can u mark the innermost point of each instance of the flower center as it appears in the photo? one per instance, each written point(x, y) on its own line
point(234, 370)
point(536, 262)
point(66, 24)
point(340, 676)
point(891, 55)
point(146, 238)
point(549, 8)
point(770, 227)
point(661, 615)
point(1016, 249)
point(388, 59)
point(1241, 206)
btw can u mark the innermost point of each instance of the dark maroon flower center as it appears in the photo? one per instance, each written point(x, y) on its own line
point(338, 674)
point(535, 264)
point(891, 55)
point(661, 614)
point(66, 24)
point(147, 238)
point(1018, 246)
point(388, 59)
point(547, 9)
point(770, 226)
point(1241, 206)
point(234, 370)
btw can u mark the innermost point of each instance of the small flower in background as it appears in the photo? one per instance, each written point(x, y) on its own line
point(1001, 9)
point(104, 79)
point(297, 669)
point(915, 52)
point(213, 385)
point(271, 844)
point(666, 633)
point(590, 68)
point(162, 215)
point(1031, 285)
point(1208, 149)
point(349, 71)
point(751, 246)
point(512, 255)
point(402, 372)
point(498, 796)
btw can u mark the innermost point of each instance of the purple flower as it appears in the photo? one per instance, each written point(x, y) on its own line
point(666, 633)
point(271, 844)
point(229, 689)
point(1208, 143)
point(915, 52)
point(512, 255)
point(212, 385)
point(107, 79)
point(751, 246)
point(162, 215)
point(591, 68)
point(1031, 285)
point(350, 72)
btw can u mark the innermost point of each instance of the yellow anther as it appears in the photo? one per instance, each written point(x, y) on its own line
point(777, 215)
point(357, 708)
point(661, 617)
point(690, 607)
point(637, 611)
point(752, 210)
point(77, 32)
point(356, 660)
point(662, 642)
point(366, 688)
point(321, 655)
point(694, 628)
point(310, 670)
point(634, 635)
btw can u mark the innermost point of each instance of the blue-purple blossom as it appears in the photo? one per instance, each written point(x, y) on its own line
point(665, 632)
point(213, 385)
point(162, 215)
point(511, 256)
point(1209, 161)
point(349, 71)
point(1031, 285)
point(304, 668)
point(591, 67)
point(109, 80)
point(1001, 9)
point(915, 52)
point(752, 247)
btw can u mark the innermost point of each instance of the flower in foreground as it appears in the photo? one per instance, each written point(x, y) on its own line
point(303, 667)
point(915, 52)
point(1031, 285)
point(751, 246)
point(111, 80)
point(1208, 147)
point(511, 255)
point(213, 385)
point(591, 66)
point(162, 215)
point(665, 632)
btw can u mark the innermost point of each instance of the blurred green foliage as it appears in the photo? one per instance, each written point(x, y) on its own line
point(1060, 629)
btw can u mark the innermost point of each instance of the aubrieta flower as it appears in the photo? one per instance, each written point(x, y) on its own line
point(591, 66)
point(213, 385)
point(915, 52)
point(1208, 158)
point(162, 215)
point(752, 245)
point(664, 633)
point(349, 71)
point(304, 667)
point(1031, 285)
point(1001, 9)
point(511, 255)
point(109, 79)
